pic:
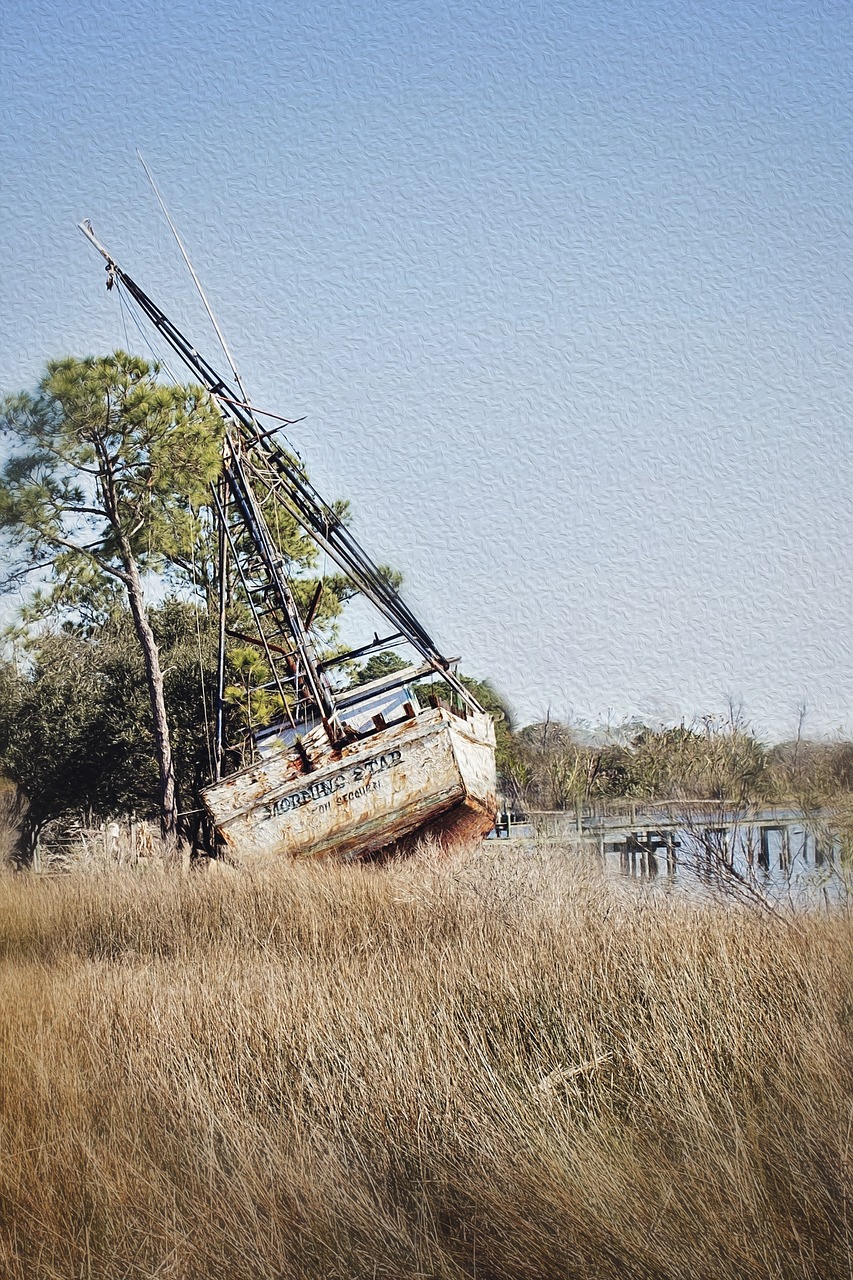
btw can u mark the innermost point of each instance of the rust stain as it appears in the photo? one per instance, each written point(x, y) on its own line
point(434, 772)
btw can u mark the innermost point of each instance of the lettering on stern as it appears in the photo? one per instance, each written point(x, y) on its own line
point(340, 788)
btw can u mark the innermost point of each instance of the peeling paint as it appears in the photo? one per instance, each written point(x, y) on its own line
point(435, 771)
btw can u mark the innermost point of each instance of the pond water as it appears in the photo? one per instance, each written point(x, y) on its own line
point(773, 855)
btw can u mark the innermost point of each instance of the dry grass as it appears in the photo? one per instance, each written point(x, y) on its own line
point(497, 1067)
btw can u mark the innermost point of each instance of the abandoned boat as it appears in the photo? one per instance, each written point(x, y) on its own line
point(340, 770)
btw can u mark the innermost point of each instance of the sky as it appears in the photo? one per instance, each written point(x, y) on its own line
point(562, 291)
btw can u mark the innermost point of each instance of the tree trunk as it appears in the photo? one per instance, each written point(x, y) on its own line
point(154, 676)
point(25, 843)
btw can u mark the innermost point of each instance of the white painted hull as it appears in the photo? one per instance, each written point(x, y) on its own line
point(433, 773)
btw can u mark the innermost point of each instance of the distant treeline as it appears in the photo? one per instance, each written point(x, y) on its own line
point(76, 736)
point(550, 766)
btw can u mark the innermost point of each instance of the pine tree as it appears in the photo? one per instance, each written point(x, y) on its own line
point(107, 470)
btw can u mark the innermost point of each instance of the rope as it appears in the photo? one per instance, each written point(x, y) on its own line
point(122, 306)
point(156, 354)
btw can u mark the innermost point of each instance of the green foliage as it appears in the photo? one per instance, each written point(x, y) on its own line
point(107, 472)
point(107, 465)
point(548, 767)
point(75, 717)
point(811, 772)
point(68, 734)
point(378, 665)
point(717, 761)
point(555, 766)
point(249, 671)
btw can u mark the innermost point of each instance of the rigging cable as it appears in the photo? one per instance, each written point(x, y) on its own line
point(154, 351)
point(192, 271)
point(298, 494)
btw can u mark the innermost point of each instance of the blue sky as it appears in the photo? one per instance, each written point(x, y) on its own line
point(563, 291)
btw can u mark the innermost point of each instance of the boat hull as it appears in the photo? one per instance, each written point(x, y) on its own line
point(433, 774)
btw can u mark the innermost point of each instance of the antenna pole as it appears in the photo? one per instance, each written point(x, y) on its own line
point(201, 293)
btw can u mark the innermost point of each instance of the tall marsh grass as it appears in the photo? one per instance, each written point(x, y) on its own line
point(491, 1067)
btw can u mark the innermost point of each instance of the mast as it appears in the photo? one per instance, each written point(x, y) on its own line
point(278, 591)
point(253, 460)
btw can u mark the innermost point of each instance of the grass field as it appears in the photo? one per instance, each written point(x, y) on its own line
point(494, 1066)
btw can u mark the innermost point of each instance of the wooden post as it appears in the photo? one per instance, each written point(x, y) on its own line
point(670, 854)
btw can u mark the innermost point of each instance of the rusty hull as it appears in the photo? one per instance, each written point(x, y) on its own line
point(433, 773)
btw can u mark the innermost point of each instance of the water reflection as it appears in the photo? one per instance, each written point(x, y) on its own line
point(775, 854)
point(775, 859)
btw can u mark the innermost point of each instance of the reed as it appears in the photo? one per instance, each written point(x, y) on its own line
point(493, 1066)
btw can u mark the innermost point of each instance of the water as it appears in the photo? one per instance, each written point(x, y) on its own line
point(789, 863)
point(772, 855)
